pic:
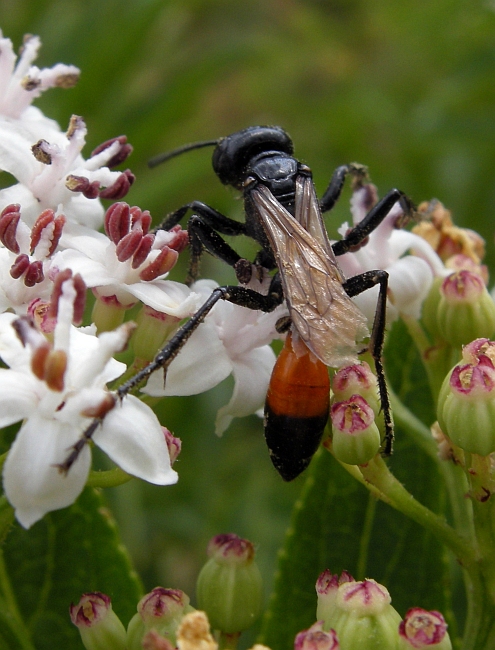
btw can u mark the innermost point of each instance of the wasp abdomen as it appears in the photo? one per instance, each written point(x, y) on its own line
point(296, 409)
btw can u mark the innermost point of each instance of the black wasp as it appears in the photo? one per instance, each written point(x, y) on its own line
point(284, 216)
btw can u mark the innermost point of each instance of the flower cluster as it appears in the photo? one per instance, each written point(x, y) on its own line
point(51, 254)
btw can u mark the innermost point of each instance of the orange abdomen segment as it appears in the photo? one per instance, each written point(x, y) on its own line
point(299, 386)
point(296, 410)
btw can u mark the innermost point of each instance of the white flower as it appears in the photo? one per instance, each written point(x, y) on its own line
point(232, 340)
point(56, 392)
point(21, 83)
point(410, 275)
point(129, 265)
point(51, 173)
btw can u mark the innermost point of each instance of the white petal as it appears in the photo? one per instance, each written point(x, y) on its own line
point(18, 396)
point(409, 283)
point(132, 436)
point(252, 376)
point(31, 482)
point(201, 364)
point(166, 296)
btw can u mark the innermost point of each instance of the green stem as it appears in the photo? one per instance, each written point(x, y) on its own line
point(108, 478)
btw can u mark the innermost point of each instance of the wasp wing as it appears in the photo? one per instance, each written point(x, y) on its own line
point(328, 321)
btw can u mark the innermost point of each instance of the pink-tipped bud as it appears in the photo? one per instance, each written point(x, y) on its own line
point(422, 629)
point(98, 624)
point(327, 587)
point(466, 404)
point(355, 438)
point(356, 379)
point(315, 638)
point(174, 445)
point(229, 587)
point(466, 310)
point(161, 610)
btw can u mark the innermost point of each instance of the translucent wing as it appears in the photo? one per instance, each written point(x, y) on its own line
point(327, 320)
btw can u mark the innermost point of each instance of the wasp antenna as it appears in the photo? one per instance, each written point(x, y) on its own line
point(163, 157)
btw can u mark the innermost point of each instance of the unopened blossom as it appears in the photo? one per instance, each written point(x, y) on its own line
point(25, 257)
point(98, 624)
point(387, 248)
point(232, 340)
point(315, 638)
point(56, 390)
point(128, 264)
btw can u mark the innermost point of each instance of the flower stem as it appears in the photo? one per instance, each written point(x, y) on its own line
point(108, 478)
point(377, 474)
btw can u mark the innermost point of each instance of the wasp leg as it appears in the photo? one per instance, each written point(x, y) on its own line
point(235, 294)
point(355, 237)
point(336, 185)
point(353, 287)
point(215, 219)
point(203, 237)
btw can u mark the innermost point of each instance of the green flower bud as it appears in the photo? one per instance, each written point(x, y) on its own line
point(363, 617)
point(466, 403)
point(466, 310)
point(153, 328)
point(356, 379)
point(229, 587)
point(327, 587)
point(355, 438)
point(99, 625)
point(422, 629)
point(162, 611)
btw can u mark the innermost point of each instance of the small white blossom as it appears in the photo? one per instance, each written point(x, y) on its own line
point(57, 391)
point(232, 340)
point(410, 275)
point(47, 168)
point(130, 266)
point(21, 82)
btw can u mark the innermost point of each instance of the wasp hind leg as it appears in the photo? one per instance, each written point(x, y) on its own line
point(353, 287)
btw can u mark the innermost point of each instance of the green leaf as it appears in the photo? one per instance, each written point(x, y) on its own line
point(337, 524)
point(68, 553)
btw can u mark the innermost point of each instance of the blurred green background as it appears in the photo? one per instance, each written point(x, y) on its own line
point(405, 87)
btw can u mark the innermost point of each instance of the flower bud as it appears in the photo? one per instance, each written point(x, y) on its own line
point(229, 586)
point(356, 438)
point(421, 629)
point(162, 611)
point(152, 330)
point(99, 625)
point(466, 310)
point(466, 406)
point(363, 617)
point(315, 638)
point(356, 379)
point(327, 587)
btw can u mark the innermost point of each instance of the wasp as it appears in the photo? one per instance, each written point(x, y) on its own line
point(325, 327)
